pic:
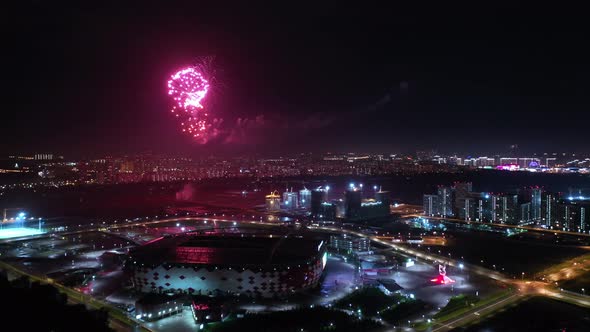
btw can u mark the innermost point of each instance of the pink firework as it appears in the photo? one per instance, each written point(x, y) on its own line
point(188, 87)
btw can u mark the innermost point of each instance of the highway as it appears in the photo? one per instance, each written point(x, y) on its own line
point(476, 313)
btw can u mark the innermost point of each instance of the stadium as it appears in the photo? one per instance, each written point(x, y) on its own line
point(258, 265)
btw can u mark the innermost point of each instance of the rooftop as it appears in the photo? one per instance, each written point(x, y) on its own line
point(229, 249)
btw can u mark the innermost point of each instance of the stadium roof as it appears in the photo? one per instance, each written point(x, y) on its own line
point(238, 250)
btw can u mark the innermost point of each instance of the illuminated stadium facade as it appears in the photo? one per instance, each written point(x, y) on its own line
point(253, 265)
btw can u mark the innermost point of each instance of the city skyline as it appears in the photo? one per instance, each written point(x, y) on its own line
point(354, 80)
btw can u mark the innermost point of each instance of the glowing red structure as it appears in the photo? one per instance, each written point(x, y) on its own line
point(442, 278)
point(259, 265)
point(188, 88)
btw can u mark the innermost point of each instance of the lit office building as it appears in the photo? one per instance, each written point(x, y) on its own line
point(350, 244)
point(155, 306)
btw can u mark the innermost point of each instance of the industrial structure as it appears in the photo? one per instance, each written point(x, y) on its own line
point(273, 202)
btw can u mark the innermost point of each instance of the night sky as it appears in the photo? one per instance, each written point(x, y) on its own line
point(89, 80)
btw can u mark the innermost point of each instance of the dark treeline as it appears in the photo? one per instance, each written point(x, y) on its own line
point(30, 306)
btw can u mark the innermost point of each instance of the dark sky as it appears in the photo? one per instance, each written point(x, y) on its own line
point(91, 79)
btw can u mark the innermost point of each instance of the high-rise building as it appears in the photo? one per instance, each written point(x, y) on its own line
point(305, 198)
point(352, 204)
point(273, 202)
point(504, 208)
point(327, 211)
point(483, 208)
point(385, 199)
point(525, 212)
point(549, 209)
point(536, 198)
point(445, 200)
point(573, 215)
point(290, 200)
point(469, 210)
point(383, 196)
point(318, 196)
point(463, 190)
point(371, 208)
point(430, 205)
point(340, 208)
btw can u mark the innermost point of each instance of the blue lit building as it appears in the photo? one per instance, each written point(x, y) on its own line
point(305, 198)
point(430, 205)
point(290, 200)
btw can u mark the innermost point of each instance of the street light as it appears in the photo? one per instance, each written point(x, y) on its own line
point(522, 276)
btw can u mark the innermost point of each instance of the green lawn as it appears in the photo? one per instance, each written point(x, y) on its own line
point(369, 299)
point(456, 303)
point(399, 312)
point(460, 304)
point(306, 319)
point(576, 284)
point(536, 314)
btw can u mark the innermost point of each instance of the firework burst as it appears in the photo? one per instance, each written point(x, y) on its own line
point(189, 88)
